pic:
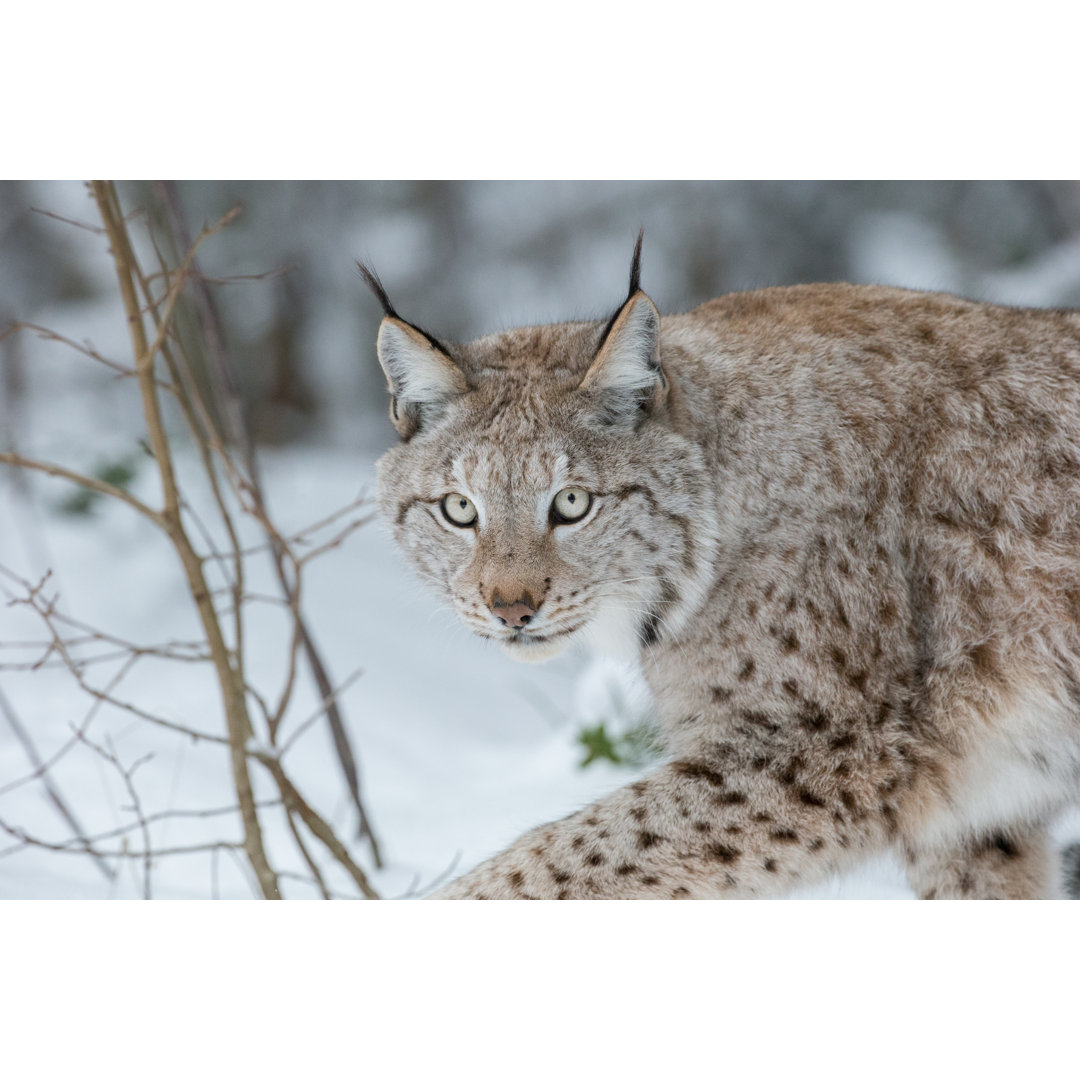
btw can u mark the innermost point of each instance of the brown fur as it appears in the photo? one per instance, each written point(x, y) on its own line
point(840, 528)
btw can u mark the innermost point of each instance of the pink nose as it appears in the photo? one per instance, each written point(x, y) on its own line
point(516, 614)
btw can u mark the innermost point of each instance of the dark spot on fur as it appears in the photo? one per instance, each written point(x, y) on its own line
point(786, 836)
point(816, 844)
point(857, 680)
point(702, 826)
point(722, 853)
point(791, 687)
point(746, 671)
point(770, 866)
point(626, 868)
point(516, 878)
point(809, 798)
point(578, 842)
point(595, 859)
point(1003, 844)
point(637, 813)
point(842, 742)
point(721, 693)
point(790, 642)
point(649, 630)
point(763, 817)
point(680, 892)
point(759, 719)
point(791, 773)
point(647, 840)
point(730, 798)
point(813, 718)
point(650, 879)
point(695, 770)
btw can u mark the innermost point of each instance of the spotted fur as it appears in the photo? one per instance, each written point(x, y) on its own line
point(840, 528)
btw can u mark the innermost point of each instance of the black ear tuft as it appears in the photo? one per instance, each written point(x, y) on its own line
point(635, 265)
point(377, 287)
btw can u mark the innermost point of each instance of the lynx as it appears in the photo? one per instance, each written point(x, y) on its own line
point(839, 527)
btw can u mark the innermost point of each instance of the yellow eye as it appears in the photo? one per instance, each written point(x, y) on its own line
point(571, 504)
point(458, 509)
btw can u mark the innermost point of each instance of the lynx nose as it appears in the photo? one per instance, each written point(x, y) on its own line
point(516, 614)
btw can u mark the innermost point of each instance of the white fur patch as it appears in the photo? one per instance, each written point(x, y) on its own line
point(417, 371)
point(629, 360)
point(1016, 772)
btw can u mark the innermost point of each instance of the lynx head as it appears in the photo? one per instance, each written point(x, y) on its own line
point(541, 484)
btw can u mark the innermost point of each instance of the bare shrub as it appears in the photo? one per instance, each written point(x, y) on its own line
point(179, 356)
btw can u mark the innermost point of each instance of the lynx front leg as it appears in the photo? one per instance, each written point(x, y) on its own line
point(1006, 865)
point(693, 829)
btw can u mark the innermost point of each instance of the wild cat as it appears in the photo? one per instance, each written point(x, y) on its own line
point(838, 525)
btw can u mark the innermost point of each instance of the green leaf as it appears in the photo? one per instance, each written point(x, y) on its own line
point(598, 745)
point(82, 501)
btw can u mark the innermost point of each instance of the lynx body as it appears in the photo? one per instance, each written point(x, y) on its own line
point(840, 528)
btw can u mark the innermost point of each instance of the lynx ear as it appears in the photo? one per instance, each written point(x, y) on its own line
point(626, 378)
point(420, 375)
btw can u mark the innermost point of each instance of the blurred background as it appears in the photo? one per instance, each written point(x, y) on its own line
point(443, 779)
point(462, 259)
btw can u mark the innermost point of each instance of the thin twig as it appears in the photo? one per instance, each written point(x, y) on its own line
point(51, 788)
point(90, 482)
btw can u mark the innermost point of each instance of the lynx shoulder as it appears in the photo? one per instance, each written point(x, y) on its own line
point(839, 526)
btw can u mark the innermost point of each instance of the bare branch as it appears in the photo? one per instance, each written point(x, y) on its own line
point(51, 788)
point(90, 482)
point(233, 694)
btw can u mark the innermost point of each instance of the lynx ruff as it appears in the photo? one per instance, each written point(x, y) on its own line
point(839, 526)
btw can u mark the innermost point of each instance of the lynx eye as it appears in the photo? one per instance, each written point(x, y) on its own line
point(571, 504)
point(458, 509)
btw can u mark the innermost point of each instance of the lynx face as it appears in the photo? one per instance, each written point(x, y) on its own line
point(532, 488)
point(540, 521)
